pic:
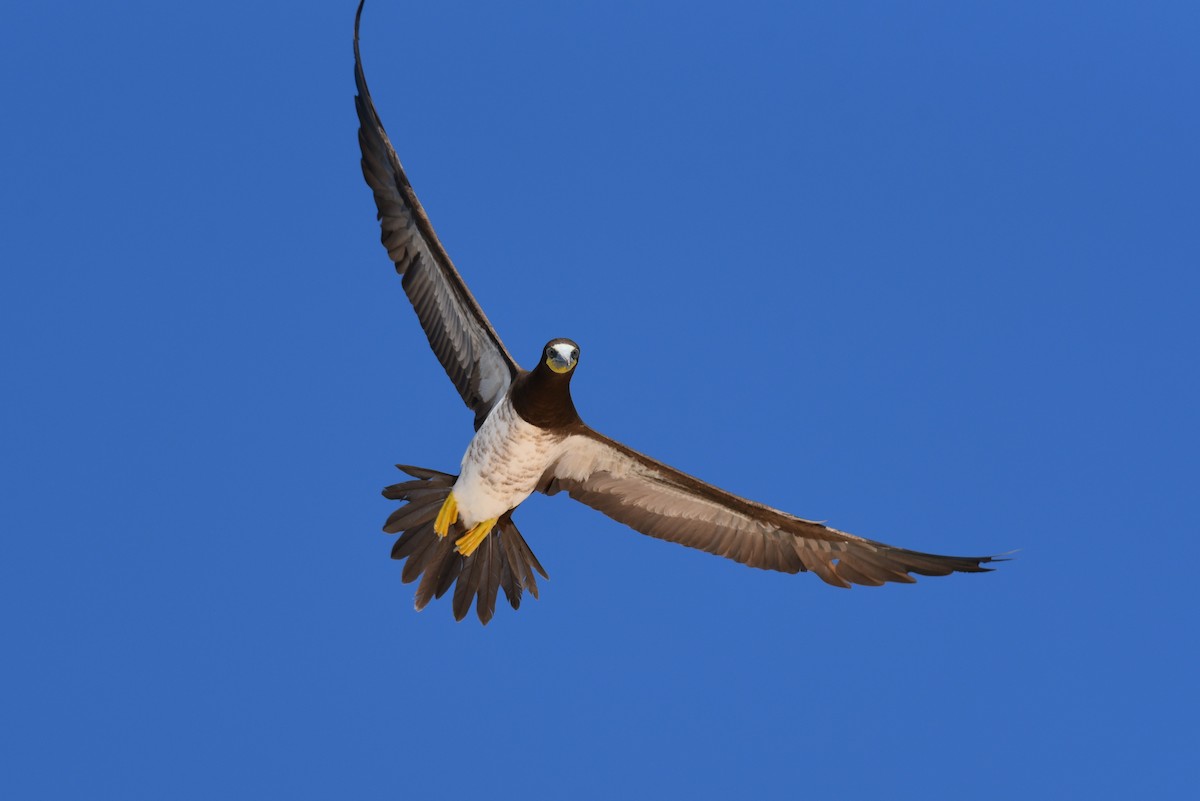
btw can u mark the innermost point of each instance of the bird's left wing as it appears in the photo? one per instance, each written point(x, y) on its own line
point(659, 500)
point(459, 333)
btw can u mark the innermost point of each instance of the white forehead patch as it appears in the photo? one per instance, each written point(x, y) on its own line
point(564, 351)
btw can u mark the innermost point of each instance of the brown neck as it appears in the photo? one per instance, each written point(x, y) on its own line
point(543, 397)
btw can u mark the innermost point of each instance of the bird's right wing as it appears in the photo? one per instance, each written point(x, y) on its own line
point(459, 333)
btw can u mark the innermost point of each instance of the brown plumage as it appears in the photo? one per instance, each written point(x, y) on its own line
point(459, 332)
point(659, 500)
point(543, 397)
point(540, 423)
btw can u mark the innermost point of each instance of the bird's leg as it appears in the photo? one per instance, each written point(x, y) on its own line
point(467, 543)
point(446, 516)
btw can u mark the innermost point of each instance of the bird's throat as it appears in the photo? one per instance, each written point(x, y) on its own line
point(543, 398)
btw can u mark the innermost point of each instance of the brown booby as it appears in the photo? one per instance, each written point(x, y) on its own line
point(529, 438)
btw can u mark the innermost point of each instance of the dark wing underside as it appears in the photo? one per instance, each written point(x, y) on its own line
point(459, 333)
point(658, 500)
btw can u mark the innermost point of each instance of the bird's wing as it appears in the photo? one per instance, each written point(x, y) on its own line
point(659, 500)
point(458, 331)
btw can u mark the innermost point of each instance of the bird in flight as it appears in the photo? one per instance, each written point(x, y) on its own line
point(457, 530)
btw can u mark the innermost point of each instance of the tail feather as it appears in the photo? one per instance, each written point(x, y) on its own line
point(412, 540)
point(520, 558)
point(512, 590)
point(468, 583)
point(408, 517)
point(425, 473)
point(440, 563)
point(489, 586)
point(449, 576)
point(426, 540)
point(502, 562)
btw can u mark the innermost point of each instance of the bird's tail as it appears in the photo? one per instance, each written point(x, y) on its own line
point(502, 561)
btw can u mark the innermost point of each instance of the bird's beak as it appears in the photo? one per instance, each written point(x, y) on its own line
point(557, 363)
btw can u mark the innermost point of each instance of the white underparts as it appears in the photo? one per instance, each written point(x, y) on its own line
point(502, 465)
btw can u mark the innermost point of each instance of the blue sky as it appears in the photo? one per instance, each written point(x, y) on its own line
point(925, 270)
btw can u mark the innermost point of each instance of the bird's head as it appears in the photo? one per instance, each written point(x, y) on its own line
point(561, 355)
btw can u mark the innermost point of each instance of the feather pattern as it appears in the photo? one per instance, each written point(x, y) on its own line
point(663, 502)
point(459, 332)
point(503, 561)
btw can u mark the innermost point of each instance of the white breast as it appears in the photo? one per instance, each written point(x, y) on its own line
point(502, 465)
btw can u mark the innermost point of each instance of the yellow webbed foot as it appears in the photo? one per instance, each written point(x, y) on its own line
point(467, 543)
point(446, 516)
